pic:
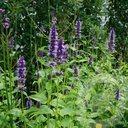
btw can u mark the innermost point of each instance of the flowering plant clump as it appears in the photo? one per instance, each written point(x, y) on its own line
point(69, 80)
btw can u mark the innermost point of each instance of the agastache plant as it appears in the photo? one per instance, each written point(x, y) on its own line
point(75, 71)
point(118, 94)
point(11, 42)
point(1, 10)
point(61, 51)
point(21, 73)
point(78, 29)
point(90, 60)
point(111, 40)
point(53, 38)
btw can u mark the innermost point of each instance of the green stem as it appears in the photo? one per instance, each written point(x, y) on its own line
point(49, 12)
point(57, 89)
point(22, 108)
point(5, 81)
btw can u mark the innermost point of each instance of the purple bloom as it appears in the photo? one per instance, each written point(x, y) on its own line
point(111, 43)
point(75, 71)
point(12, 42)
point(78, 29)
point(42, 28)
point(53, 38)
point(17, 100)
point(6, 25)
point(59, 73)
point(21, 70)
point(38, 104)
point(21, 88)
point(64, 91)
point(1, 10)
point(38, 75)
point(29, 103)
point(61, 50)
point(86, 103)
point(118, 94)
point(51, 64)
point(49, 76)
point(97, 73)
point(41, 53)
point(72, 86)
point(7, 19)
point(90, 60)
point(52, 13)
point(94, 40)
point(54, 19)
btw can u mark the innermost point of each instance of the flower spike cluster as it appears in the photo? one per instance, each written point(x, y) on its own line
point(57, 49)
point(111, 40)
point(61, 50)
point(78, 29)
point(21, 73)
point(53, 38)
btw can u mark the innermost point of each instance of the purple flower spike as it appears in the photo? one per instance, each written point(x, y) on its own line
point(72, 86)
point(94, 40)
point(41, 53)
point(42, 28)
point(7, 19)
point(53, 38)
point(111, 42)
point(38, 75)
point(54, 19)
point(90, 60)
point(59, 73)
point(12, 42)
point(21, 70)
point(118, 94)
point(86, 103)
point(75, 71)
point(38, 104)
point(52, 64)
point(61, 50)
point(6, 25)
point(1, 10)
point(21, 88)
point(52, 13)
point(29, 103)
point(49, 76)
point(78, 29)
point(64, 91)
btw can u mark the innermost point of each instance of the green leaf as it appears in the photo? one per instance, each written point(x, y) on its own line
point(1, 86)
point(16, 112)
point(39, 97)
point(41, 118)
point(66, 122)
point(67, 111)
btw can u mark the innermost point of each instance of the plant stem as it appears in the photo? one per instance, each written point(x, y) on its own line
point(49, 12)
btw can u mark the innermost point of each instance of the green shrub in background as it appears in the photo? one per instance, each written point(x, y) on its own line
point(118, 15)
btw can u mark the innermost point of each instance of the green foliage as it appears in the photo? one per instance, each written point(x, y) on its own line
point(118, 15)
